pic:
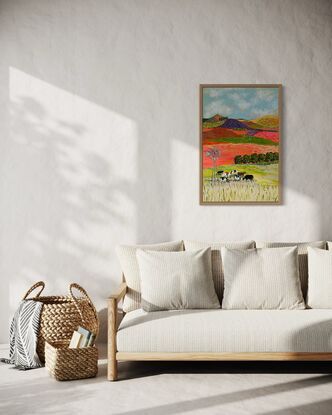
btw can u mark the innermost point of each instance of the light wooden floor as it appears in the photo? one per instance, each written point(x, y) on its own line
point(169, 388)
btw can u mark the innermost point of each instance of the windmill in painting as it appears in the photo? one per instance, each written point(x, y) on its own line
point(240, 134)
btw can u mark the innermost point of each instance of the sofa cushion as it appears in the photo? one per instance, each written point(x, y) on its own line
point(320, 278)
point(232, 331)
point(217, 269)
point(265, 278)
point(303, 257)
point(176, 280)
point(129, 265)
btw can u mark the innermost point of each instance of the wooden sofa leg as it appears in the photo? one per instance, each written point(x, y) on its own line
point(112, 370)
point(112, 366)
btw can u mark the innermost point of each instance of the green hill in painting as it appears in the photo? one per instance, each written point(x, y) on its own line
point(267, 122)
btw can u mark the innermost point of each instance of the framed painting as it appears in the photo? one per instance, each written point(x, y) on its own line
point(240, 139)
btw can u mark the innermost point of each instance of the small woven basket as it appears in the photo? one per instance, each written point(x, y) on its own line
point(61, 315)
point(70, 364)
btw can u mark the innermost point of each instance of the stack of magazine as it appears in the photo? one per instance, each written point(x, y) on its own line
point(82, 338)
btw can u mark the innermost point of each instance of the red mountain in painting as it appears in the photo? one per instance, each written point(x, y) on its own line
point(239, 137)
point(216, 118)
point(219, 132)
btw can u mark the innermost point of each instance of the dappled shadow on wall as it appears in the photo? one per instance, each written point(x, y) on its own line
point(69, 191)
point(79, 180)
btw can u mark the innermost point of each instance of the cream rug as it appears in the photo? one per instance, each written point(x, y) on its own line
point(152, 388)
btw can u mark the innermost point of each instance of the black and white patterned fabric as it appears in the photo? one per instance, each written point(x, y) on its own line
point(24, 335)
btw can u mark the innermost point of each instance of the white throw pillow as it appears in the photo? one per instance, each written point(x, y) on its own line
point(320, 278)
point(176, 280)
point(265, 278)
point(129, 265)
point(217, 269)
point(302, 250)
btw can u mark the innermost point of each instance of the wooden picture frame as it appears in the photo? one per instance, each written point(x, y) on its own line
point(240, 144)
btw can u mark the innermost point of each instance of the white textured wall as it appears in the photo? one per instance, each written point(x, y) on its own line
point(99, 129)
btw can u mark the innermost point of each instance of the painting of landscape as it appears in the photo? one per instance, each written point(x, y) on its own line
point(240, 138)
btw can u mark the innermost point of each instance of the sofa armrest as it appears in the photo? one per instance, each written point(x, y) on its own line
point(113, 301)
point(119, 293)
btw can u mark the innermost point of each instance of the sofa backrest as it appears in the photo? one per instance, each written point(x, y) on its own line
point(127, 256)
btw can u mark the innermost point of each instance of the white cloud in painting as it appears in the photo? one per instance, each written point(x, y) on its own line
point(240, 100)
point(265, 94)
point(243, 105)
point(235, 96)
point(213, 92)
point(216, 107)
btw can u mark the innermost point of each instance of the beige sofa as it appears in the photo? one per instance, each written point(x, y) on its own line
point(217, 334)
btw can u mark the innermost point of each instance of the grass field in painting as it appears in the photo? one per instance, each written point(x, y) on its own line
point(263, 189)
point(245, 140)
point(264, 174)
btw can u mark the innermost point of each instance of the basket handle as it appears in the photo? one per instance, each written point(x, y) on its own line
point(85, 294)
point(38, 284)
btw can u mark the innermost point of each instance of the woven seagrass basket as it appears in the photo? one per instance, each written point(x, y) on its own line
point(71, 364)
point(61, 315)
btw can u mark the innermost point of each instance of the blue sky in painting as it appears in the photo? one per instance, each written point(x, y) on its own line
point(246, 103)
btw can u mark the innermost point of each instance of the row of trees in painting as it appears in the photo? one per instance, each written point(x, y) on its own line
point(240, 144)
point(255, 158)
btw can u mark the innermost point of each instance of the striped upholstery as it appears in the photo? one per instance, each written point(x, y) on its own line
point(303, 257)
point(129, 265)
point(176, 280)
point(232, 331)
point(261, 279)
point(217, 269)
point(320, 278)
